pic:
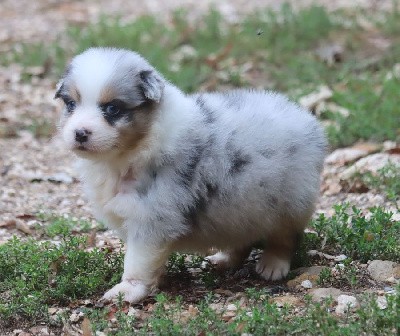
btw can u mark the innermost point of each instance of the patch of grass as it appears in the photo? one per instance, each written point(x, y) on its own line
point(345, 275)
point(387, 181)
point(54, 225)
point(373, 108)
point(357, 236)
point(257, 317)
point(35, 275)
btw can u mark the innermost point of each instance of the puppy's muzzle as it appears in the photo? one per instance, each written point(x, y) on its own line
point(82, 135)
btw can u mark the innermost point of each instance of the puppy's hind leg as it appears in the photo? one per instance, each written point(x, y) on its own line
point(274, 263)
point(229, 258)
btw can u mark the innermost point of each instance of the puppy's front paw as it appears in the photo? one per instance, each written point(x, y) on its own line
point(132, 291)
point(271, 267)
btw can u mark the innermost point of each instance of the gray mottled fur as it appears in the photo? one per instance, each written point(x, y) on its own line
point(221, 170)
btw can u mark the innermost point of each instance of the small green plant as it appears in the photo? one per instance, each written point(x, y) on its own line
point(341, 276)
point(34, 275)
point(55, 225)
point(387, 180)
point(361, 238)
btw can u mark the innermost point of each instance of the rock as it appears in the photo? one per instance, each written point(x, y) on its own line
point(382, 270)
point(331, 107)
point(302, 277)
point(42, 331)
point(231, 307)
point(342, 156)
point(75, 317)
point(389, 145)
point(371, 163)
point(52, 310)
point(345, 302)
point(307, 284)
point(381, 302)
point(312, 270)
point(289, 300)
point(330, 53)
point(389, 290)
point(217, 307)
point(311, 100)
point(320, 294)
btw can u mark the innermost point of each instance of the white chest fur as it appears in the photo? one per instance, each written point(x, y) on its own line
point(101, 182)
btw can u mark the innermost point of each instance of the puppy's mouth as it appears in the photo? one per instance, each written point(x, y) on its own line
point(81, 148)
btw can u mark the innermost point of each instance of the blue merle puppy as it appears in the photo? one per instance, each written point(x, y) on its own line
point(176, 172)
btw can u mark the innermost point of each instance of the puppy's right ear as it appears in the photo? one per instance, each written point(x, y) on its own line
point(152, 85)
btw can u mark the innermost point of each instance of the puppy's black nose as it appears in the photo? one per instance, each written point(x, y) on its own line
point(82, 135)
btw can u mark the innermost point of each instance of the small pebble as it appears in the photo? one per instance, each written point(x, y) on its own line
point(307, 284)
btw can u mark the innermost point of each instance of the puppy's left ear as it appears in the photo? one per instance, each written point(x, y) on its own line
point(152, 85)
point(59, 88)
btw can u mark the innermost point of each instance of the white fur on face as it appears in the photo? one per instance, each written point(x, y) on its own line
point(91, 72)
point(103, 137)
point(96, 78)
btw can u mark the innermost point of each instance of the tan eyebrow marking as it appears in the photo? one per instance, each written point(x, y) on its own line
point(73, 93)
point(107, 94)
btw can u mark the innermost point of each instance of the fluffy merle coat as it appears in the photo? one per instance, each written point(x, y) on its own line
point(176, 172)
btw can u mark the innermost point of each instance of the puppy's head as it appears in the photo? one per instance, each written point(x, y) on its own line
point(110, 99)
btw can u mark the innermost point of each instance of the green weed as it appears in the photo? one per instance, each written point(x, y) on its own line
point(345, 275)
point(387, 181)
point(357, 236)
point(34, 275)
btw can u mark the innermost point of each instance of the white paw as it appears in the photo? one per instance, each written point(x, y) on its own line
point(272, 268)
point(132, 291)
point(219, 259)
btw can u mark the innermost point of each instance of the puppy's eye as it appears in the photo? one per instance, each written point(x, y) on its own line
point(111, 109)
point(71, 105)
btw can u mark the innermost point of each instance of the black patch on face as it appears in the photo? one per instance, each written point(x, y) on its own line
point(116, 110)
point(268, 153)
point(238, 161)
point(205, 110)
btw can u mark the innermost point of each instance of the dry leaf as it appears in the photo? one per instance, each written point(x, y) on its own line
point(91, 239)
point(86, 327)
point(8, 223)
point(23, 227)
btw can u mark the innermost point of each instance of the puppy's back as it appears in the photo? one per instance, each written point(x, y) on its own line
point(265, 161)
